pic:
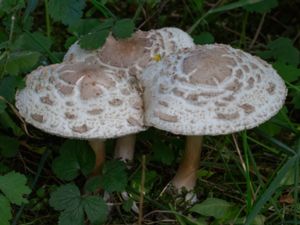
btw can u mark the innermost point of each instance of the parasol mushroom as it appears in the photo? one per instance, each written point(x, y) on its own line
point(209, 90)
point(83, 100)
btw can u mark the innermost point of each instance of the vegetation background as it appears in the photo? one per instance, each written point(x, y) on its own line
point(247, 178)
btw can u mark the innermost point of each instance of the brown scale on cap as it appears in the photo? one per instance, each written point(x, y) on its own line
point(133, 122)
point(37, 117)
point(46, 100)
point(70, 116)
point(166, 117)
point(115, 102)
point(95, 111)
point(247, 108)
point(80, 129)
point(228, 116)
point(271, 88)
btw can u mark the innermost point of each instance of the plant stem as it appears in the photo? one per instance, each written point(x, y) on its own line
point(125, 148)
point(186, 175)
point(140, 221)
point(99, 149)
point(48, 26)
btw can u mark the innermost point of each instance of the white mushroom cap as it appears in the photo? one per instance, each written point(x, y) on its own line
point(82, 100)
point(211, 90)
point(136, 52)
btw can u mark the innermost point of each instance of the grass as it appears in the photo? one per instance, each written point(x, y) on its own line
point(255, 172)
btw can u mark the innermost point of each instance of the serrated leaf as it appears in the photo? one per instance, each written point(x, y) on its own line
point(263, 6)
point(8, 87)
point(8, 146)
point(13, 186)
point(20, 62)
point(282, 50)
point(123, 28)
point(287, 72)
point(94, 40)
point(204, 38)
point(67, 11)
point(95, 209)
point(84, 26)
point(66, 197)
point(5, 210)
point(214, 207)
point(114, 176)
point(72, 217)
point(75, 157)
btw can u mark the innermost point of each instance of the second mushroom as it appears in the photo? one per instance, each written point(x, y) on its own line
point(209, 90)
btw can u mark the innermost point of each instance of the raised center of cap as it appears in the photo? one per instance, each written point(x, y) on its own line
point(208, 66)
point(125, 53)
point(94, 79)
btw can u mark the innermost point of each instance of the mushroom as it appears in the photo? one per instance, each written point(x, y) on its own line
point(83, 100)
point(209, 90)
point(132, 55)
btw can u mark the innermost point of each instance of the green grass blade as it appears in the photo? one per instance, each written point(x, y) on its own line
point(286, 149)
point(265, 197)
point(221, 9)
point(103, 9)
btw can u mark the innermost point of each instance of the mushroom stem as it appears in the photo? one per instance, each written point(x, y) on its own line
point(99, 149)
point(186, 174)
point(125, 148)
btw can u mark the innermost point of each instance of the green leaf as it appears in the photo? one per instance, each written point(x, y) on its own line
point(204, 38)
point(123, 28)
point(163, 153)
point(97, 37)
point(84, 26)
point(67, 11)
point(114, 176)
point(35, 42)
point(214, 207)
point(75, 157)
point(13, 186)
point(6, 122)
point(8, 146)
point(262, 6)
point(66, 197)
point(8, 87)
point(287, 72)
point(296, 100)
point(150, 180)
point(96, 209)
point(92, 184)
point(8, 6)
point(20, 62)
point(282, 50)
point(72, 217)
point(5, 210)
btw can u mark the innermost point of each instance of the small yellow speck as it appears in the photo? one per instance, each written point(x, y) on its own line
point(156, 57)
